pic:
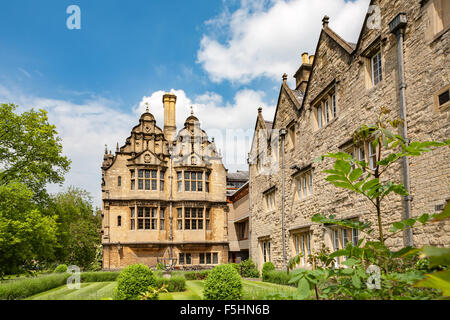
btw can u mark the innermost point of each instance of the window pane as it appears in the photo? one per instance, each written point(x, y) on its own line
point(186, 175)
point(202, 258)
point(179, 186)
point(193, 186)
point(181, 258)
point(147, 174)
point(200, 224)
point(147, 184)
point(141, 184)
point(187, 212)
point(180, 212)
point(208, 258)
point(140, 212)
point(154, 184)
point(132, 224)
point(180, 224)
point(187, 224)
point(140, 223)
point(132, 212)
point(200, 186)
point(141, 173)
point(199, 175)
point(186, 186)
point(188, 258)
point(147, 212)
point(194, 224)
point(193, 175)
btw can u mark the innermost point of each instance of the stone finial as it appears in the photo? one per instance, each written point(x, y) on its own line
point(284, 77)
point(117, 147)
point(106, 149)
point(192, 110)
point(325, 21)
point(259, 110)
point(146, 106)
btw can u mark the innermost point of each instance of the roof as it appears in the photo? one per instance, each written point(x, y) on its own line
point(238, 175)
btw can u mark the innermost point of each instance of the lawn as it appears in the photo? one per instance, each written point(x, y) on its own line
point(194, 291)
point(88, 291)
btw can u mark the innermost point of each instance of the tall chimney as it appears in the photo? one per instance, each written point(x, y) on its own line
point(302, 74)
point(170, 128)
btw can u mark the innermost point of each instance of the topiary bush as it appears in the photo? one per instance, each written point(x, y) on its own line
point(223, 283)
point(133, 281)
point(190, 275)
point(172, 284)
point(268, 266)
point(61, 268)
point(248, 269)
point(236, 266)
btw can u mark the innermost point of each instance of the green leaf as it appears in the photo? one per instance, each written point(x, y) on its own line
point(350, 262)
point(424, 218)
point(343, 166)
point(303, 289)
point(370, 184)
point(355, 174)
point(437, 280)
point(356, 281)
point(438, 256)
point(347, 271)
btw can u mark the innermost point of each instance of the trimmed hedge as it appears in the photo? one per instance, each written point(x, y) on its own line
point(23, 288)
point(196, 275)
point(133, 281)
point(173, 284)
point(102, 276)
point(223, 283)
point(278, 277)
point(268, 266)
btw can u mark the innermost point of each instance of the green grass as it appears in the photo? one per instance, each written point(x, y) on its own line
point(253, 290)
point(88, 291)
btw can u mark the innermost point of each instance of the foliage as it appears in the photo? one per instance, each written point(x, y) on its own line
point(277, 276)
point(78, 232)
point(223, 283)
point(26, 235)
point(134, 280)
point(102, 276)
point(196, 275)
point(236, 266)
point(160, 266)
point(267, 266)
point(26, 287)
point(61, 268)
point(152, 293)
point(30, 150)
point(173, 284)
point(248, 269)
point(363, 179)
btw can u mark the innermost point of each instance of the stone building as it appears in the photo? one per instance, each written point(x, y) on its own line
point(238, 216)
point(339, 88)
point(164, 196)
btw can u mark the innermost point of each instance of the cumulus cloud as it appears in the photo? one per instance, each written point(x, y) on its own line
point(266, 38)
point(86, 127)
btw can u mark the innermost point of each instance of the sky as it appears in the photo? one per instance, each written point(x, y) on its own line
point(224, 58)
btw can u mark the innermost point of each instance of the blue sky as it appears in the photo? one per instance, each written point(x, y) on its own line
point(225, 58)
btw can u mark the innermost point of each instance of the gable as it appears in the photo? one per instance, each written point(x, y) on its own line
point(146, 157)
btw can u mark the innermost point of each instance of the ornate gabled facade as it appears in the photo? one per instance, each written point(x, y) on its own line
point(344, 85)
point(164, 196)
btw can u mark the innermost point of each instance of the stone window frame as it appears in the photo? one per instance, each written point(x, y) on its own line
point(162, 218)
point(184, 258)
point(290, 136)
point(265, 250)
point(325, 107)
point(366, 59)
point(182, 180)
point(155, 182)
point(150, 218)
point(362, 152)
point(182, 220)
point(270, 199)
point(304, 178)
point(376, 68)
point(301, 240)
point(338, 237)
point(437, 106)
point(213, 258)
point(193, 219)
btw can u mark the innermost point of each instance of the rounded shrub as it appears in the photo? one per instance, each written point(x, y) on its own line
point(223, 283)
point(133, 281)
point(236, 266)
point(61, 268)
point(248, 269)
point(267, 266)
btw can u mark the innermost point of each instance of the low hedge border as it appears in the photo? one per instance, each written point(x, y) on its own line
point(278, 277)
point(173, 284)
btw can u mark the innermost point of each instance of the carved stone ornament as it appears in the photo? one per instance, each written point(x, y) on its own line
point(147, 158)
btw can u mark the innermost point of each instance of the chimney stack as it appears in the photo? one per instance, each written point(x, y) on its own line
point(302, 74)
point(170, 128)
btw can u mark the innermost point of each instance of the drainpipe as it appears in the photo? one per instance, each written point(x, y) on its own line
point(397, 26)
point(283, 133)
point(249, 208)
point(170, 205)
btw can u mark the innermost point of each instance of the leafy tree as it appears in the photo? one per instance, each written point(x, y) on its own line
point(26, 235)
point(30, 150)
point(78, 228)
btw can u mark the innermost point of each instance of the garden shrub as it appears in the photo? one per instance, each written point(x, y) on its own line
point(61, 268)
point(23, 288)
point(133, 281)
point(248, 269)
point(202, 275)
point(160, 266)
point(190, 275)
point(278, 277)
point(172, 284)
point(268, 266)
point(223, 283)
point(236, 266)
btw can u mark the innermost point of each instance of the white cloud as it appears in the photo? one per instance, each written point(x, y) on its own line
point(267, 40)
point(86, 127)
